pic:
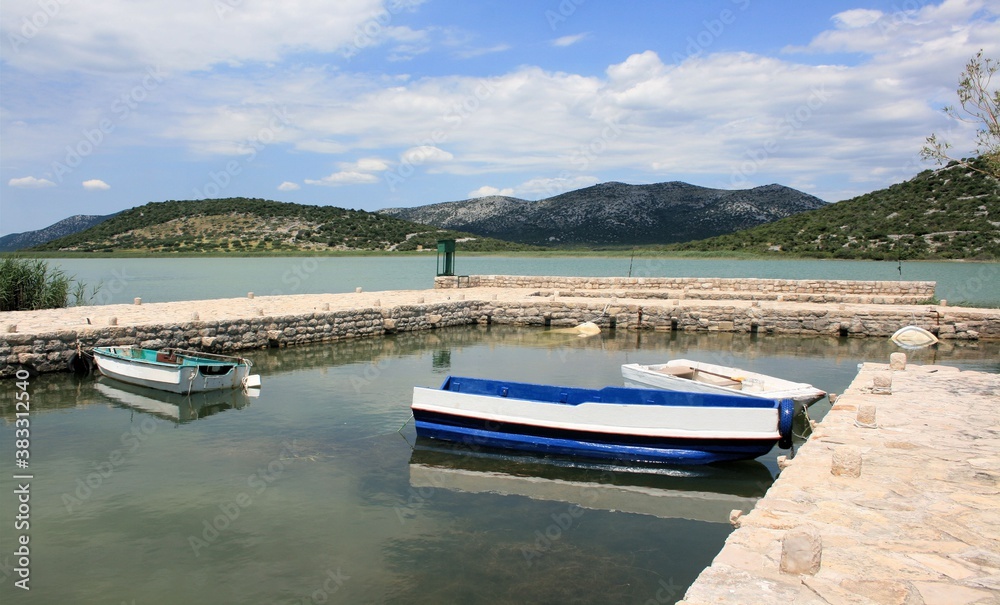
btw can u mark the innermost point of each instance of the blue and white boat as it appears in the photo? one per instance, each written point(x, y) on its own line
point(619, 423)
point(175, 370)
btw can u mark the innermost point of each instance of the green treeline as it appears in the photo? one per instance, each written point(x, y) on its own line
point(252, 226)
point(950, 213)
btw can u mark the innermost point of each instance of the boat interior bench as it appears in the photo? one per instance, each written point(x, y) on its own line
point(678, 371)
point(165, 357)
point(689, 373)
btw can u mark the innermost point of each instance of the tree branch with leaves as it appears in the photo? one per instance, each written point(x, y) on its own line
point(978, 105)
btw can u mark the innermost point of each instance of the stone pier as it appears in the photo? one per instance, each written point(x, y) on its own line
point(895, 499)
point(46, 341)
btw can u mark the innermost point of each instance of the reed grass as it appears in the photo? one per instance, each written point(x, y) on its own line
point(30, 284)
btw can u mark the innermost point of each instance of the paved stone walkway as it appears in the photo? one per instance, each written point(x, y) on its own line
point(76, 318)
point(919, 526)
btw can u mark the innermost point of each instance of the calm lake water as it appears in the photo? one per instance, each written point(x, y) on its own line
point(311, 493)
point(170, 279)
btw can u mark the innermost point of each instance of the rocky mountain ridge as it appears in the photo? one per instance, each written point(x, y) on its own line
point(67, 226)
point(616, 214)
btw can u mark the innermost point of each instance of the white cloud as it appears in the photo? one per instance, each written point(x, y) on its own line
point(486, 191)
point(30, 182)
point(288, 186)
point(569, 40)
point(189, 35)
point(793, 119)
point(345, 178)
point(479, 52)
point(371, 165)
point(354, 173)
point(425, 154)
point(96, 185)
point(331, 147)
point(858, 17)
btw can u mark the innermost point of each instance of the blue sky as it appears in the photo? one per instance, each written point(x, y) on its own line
point(371, 104)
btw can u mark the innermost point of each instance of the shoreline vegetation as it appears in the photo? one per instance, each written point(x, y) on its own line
point(596, 253)
point(29, 284)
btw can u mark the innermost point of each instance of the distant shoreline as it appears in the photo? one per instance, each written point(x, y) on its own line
point(638, 253)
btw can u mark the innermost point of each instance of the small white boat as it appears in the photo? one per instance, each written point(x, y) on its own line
point(175, 370)
point(913, 337)
point(699, 377)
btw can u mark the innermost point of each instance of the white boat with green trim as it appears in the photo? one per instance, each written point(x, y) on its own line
point(175, 370)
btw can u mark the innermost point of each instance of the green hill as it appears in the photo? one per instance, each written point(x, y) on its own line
point(949, 213)
point(249, 226)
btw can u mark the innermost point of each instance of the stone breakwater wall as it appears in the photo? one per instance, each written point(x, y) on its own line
point(708, 288)
point(55, 350)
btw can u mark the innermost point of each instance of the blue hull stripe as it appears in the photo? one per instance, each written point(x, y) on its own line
point(619, 447)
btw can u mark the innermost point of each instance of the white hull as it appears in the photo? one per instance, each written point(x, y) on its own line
point(711, 378)
point(682, 422)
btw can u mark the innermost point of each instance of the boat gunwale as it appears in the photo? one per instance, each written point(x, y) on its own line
point(188, 358)
point(649, 396)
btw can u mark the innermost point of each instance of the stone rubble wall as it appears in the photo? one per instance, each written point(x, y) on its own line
point(709, 288)
point(54, 351)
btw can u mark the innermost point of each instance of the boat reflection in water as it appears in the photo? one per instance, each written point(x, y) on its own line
point(172, 406)
point(702, 493)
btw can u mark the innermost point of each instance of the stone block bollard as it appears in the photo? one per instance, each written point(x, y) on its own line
point(357, 290)
point(882, 383)
point(801, 551)
point(865, 417)
point(326, 306)
point(943, 303)
point(420, 300)
point(846, 463)
point(112, 321)
point(897, 361)
point(194, 316)
point(249, 294)
point(10, 328)
point(137, 301)
point(734, 518)
point(377, 303)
